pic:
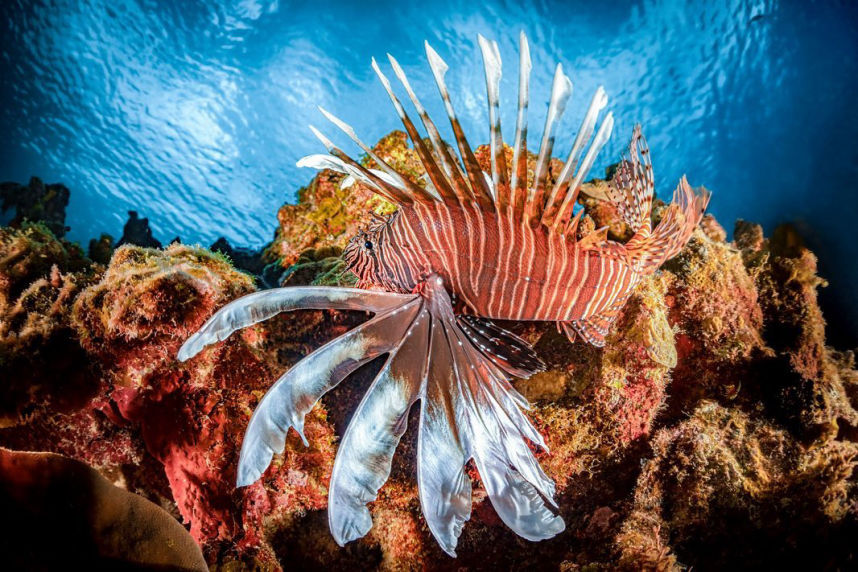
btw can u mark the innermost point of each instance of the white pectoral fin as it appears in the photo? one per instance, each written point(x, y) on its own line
point(468, 409)
point(260, 306)
point(517, 486)
point(366, 451)
point(445, 489)
point(296, 392)
point(517, 501)
point(471, 411)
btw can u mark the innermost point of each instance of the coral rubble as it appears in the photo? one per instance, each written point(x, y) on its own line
point(715, 429)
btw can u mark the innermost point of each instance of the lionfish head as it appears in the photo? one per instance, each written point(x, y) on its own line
point(363, 252)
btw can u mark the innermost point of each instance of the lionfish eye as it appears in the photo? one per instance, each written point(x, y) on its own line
point(367, 245)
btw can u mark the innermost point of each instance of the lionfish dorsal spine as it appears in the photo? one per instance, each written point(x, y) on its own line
point(585, 132)
point(389, 191)
point(448, 162)
point(601, 138)
point(475, 174)
point(460, 180)
point(492, 65)
point(436, 176)
point(518, 182)
point(561, 91)
point(400, 182)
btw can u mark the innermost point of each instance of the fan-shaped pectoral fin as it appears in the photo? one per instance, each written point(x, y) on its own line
point(471, 410)
point(516, 484)
point(260, 306)
point(296, 392)
point(366, 450)
point(444, 487)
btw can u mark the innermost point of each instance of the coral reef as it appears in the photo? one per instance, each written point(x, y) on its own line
point(36, 201)
point(137, 231)
point(44, 367)
point(715, 429)
point(724, 488)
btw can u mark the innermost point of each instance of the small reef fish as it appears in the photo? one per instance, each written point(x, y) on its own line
point(498, 245)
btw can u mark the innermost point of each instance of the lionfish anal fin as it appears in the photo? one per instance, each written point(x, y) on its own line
point(592, 329)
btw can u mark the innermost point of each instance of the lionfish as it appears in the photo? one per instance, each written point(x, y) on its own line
point(493, 246)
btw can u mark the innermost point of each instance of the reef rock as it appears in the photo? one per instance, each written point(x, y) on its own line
point(36, 202)
point(191, 417)
point(715, 429)
point(137, 231)
point(101, 249)
point(43, 366)
point(245, 259)
point(729, 491)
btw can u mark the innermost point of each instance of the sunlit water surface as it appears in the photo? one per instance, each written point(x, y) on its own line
point(194, 113)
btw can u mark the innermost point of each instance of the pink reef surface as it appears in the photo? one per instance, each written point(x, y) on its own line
point(715, 429)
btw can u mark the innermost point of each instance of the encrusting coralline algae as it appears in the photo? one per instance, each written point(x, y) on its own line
point(715, 428)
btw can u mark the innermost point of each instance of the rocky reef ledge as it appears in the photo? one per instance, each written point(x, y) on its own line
point(715, 430)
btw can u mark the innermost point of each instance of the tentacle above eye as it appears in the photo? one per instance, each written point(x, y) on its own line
point(260, 306)
point(297, 391)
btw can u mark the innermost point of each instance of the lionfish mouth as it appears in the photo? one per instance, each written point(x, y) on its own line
point(350, 262)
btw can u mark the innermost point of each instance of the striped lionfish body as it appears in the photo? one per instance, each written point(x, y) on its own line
point(498, 267)
point(464, 247)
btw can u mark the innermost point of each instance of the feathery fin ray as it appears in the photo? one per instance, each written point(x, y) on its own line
point(451, 167)
point(492, 64)
point(475, 175)
point(561, 91)
point(585, 132)
point(401, 182)
point(439, 181)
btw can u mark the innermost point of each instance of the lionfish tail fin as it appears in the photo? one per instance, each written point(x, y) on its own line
point(457, 369)
point(678, 221)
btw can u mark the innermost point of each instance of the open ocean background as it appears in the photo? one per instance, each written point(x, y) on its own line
point(194, 113)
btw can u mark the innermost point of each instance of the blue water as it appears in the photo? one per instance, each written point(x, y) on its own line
point(195, 113)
